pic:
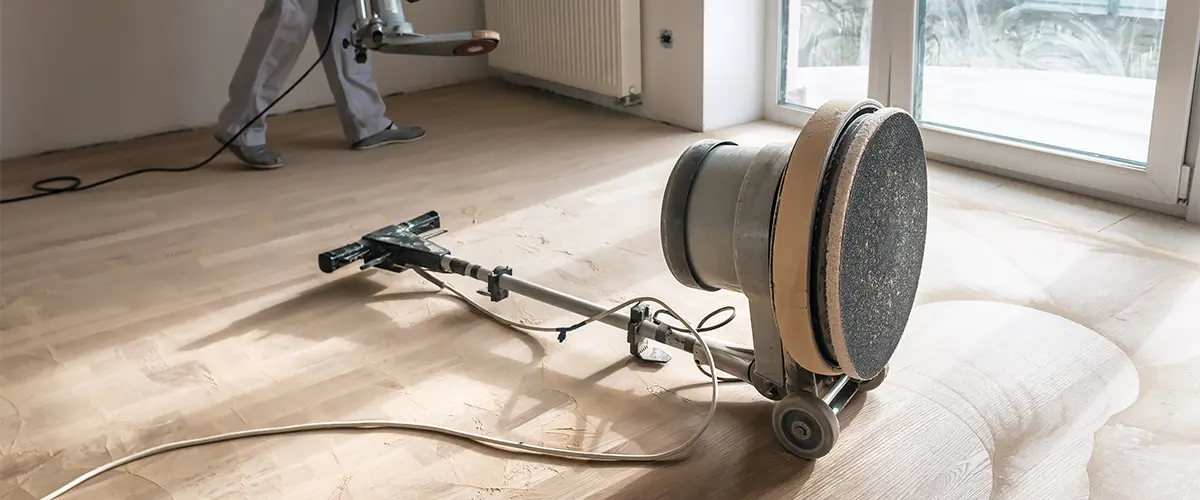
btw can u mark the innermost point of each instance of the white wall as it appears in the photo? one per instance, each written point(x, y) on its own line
point(711, 77)
point(673, 79)
point(127, 68)
point(734, 57)
point(77, 72)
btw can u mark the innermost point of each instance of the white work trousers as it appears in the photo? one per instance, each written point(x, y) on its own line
point(275, 45)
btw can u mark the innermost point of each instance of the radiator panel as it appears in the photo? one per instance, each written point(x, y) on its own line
point(593, 45)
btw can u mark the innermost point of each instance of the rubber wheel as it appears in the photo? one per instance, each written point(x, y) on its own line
point(870, 385)
point(805, 425)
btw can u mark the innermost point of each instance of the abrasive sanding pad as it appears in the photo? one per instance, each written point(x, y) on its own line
point(849, 238)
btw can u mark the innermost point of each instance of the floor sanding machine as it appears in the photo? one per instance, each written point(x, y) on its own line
point(824, 236)
point(382, 27)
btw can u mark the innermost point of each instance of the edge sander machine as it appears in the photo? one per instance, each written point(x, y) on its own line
point(382, 27)
point(825, 236)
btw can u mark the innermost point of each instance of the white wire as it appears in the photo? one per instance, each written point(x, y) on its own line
point(514, 446)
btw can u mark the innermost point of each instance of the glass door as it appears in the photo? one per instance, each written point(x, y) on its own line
point(823, 51)
point(1092, 94)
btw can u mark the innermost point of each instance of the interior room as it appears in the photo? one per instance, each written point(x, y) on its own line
point(627, 249)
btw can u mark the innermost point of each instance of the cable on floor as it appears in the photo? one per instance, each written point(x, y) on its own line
point(700, 327)
point(75, 184)
point(561, 330)
point(502, 444)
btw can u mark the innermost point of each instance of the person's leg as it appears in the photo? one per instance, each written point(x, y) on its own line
point(275, 45)
point(356, 96)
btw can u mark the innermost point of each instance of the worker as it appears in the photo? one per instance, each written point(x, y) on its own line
point(278, 37)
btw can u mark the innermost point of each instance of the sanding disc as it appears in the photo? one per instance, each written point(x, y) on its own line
point(849, 237)
point(792, 236)
point(482, 42)
point(871, 240)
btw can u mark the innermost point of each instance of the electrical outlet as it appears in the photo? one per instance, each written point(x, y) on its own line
point(666, 38)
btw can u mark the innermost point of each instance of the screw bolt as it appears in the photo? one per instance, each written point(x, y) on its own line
point(801, 430)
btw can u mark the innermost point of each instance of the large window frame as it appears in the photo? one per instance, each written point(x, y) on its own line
point(1163, 185)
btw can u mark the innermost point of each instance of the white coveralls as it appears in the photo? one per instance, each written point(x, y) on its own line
point(278, 37)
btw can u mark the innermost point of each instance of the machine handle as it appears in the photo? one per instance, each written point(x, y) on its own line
point(424, 223)
point(335, 259)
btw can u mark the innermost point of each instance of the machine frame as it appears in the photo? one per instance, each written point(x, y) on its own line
point(806, 403)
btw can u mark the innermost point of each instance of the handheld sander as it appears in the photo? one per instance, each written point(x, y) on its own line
point(382, 27)
point(825, 236)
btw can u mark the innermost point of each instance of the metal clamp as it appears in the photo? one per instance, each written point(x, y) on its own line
point(639, 346)
point(493, 283)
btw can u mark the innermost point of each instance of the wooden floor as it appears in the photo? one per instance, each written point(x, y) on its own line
point(1054, 353)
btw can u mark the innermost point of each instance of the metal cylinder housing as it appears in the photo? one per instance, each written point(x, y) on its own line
point(717, 208)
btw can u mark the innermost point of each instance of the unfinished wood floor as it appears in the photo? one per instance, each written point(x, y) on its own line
point(1054, 352)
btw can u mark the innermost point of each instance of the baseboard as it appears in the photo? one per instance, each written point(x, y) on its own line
point(174, 130)
point(589, 97)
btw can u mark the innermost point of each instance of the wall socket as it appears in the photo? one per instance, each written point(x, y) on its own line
point(666, 38)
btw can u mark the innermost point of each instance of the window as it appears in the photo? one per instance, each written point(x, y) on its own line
point(1093, 93)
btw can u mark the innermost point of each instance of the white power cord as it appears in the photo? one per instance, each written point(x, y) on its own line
point(505, 444)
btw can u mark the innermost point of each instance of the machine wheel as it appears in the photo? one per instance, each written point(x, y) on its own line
point(805, 425)
point(870, 385)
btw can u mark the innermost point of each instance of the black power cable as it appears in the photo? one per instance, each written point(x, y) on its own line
point(76, 184)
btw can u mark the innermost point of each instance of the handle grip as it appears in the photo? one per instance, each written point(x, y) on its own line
point(424, 223)
point(335, 259)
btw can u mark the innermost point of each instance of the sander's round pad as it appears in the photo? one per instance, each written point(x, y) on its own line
point(848, 238)
point(482, 42)
point(792, 234)
point(870, 240)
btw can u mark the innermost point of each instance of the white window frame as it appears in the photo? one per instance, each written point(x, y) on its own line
point(1161, 186)
point(1191, 153)
point(879, 81)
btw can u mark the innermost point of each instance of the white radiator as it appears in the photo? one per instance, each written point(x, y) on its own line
point(594, 45)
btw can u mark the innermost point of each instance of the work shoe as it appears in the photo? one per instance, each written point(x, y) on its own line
point(255, 156)
point(394, 134)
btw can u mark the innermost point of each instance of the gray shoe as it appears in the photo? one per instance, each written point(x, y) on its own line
point(255, 156)
point(394, 134)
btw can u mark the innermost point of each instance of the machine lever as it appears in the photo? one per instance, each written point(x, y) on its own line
point(335, 259)
point(424, 223)
point(403, 244)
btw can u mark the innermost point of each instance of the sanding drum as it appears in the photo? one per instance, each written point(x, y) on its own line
point(825, 236)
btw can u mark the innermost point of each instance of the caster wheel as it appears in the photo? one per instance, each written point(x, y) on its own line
point(870, 385)
point(805, 425)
